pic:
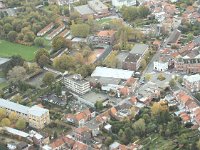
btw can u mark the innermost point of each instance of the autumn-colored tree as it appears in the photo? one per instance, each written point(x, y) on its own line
point(5, 122)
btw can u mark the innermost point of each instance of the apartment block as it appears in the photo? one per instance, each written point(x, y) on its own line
point(77, 84)
point(36, 116)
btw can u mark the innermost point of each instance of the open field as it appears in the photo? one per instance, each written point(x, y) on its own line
point(8, 49)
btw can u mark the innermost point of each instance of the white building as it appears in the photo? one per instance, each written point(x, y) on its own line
point(192, 82)
point(77, 84)
point(112, 73)
point(160, 66)
point(36, 116)
point(120, 3)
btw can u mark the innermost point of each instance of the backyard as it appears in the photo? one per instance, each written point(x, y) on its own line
point(8, 49)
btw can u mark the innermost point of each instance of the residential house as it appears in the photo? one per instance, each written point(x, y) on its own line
point(173, 38)
point(46, 29)
point(192, 83)
point(188, 61)
point(80, 118)
point(83, 134)
point(103, 37)
point(55, 32)
point(80, 146)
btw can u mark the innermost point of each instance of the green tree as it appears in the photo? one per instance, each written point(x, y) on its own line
point(139, 127)
point(172, 83)
point(64, 62)
point(18, 73)
point(58, 43)
point(2, 113)
point(58, 89)
point(80, 30)
point(111, 60)
point(148, 77)
point(12, 35)
point(5, 122)
point(42, 57)
point(20, 124)
point(39, 41)
point(108, 141)
point(161, 77)
point(143, 64)
point(99, 105)
point(48, 79)
point(13, 116)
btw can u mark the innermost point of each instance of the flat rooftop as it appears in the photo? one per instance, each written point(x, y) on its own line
point(112, 73)
point(84, 10)
point(139, 49)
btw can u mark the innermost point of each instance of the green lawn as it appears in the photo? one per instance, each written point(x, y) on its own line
point(3, 85)
point(8, 49)
point(104, 20)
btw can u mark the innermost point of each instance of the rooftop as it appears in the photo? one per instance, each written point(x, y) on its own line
point(139, 49)
point(34, 110)
point(112, 73)
point(37, 111)
point(13, 106)
point(84, 10)
point(97, 5)
point(132, 58)
point(3, 60)
point(106, 33)
point(192, 78)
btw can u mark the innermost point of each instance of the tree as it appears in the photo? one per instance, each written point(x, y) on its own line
point(39, 41)
point(198, 144)
point(12, 35)
point(2, 113)
point(108, 141)
point(42, 57)
point(148, 77)
point(172, 83)
point(58, 89)
point(58, 43)
point(20, 124)
point(18, 98)
point(64, 62)
point(17, 74)
point(143, 64)
point(139, 127)
point(161, 77)
point(111, 60)
point(13, 116)
point(48, 79)
point(5, 122)
point(99, 105)
point(80, 30)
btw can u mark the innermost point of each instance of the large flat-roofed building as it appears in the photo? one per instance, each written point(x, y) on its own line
point(77, 84)
point(94, 8)
point(112, 73)
point(133, 60)
point(120, 3)
point(36, 116)
point(192, 82)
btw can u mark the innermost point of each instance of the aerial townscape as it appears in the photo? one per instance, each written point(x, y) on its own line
point(99, 74)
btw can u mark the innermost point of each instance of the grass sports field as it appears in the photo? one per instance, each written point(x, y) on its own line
point(8, 49)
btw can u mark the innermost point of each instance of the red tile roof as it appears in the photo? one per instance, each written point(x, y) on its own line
point(106, 33)
point(57, 143)
point(79, 146)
